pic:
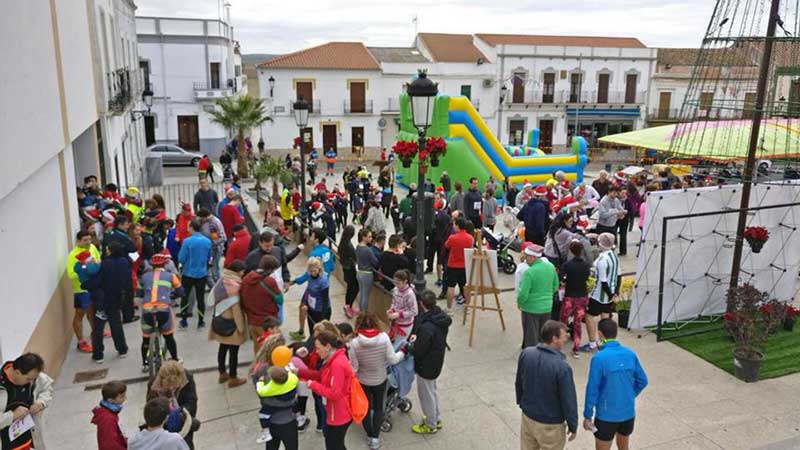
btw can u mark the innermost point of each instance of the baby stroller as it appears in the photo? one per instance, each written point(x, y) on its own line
point(503, 245)
point(400, 377)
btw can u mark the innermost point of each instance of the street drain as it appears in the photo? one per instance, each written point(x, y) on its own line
point(90, 375)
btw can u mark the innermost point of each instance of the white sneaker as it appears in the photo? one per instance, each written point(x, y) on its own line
point(265, 437)
point(374, 443)
point(449, 311)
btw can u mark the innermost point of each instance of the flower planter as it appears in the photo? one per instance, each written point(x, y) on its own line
point(788, 323)
point(434, 161)
point(755, 246)
point(406, 162)
point(747, 367)
point(622, 318)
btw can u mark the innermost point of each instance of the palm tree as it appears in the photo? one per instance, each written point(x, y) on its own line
point(267, 168)
point(240, 115)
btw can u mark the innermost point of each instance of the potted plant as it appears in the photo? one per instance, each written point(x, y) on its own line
point(750, 316)
point(436, 148)
point(623, 303)
point(791, 316)
point(272, 168)
point(405, 150)
point(756, 237)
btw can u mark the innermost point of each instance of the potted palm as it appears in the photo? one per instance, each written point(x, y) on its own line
point(274, 169)
point(750, 316)
point(239, 115)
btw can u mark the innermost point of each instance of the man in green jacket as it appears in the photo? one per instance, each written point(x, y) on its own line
point(535, 295)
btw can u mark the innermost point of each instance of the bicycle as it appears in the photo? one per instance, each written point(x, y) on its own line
point(155, 349)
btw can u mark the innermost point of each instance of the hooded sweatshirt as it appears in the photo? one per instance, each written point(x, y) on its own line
point(109, 434)
point(370, 352)
point(429, 347)
point(159, 439)
point(258, 302)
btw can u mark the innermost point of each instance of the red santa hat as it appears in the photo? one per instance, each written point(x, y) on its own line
point(582, 224)
point(525, 245)
point(440, 189)
point(569, 202)
point(620, 175)
point(564, 185)
point(316, 205)
point(331, 195)
point(93, 213)
point(109, 215)
point(83, 256)
point(540, 191)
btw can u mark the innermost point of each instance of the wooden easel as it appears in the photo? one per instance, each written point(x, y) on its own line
point(480, 259)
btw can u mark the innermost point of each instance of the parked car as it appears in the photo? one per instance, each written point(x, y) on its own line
point(174, 155)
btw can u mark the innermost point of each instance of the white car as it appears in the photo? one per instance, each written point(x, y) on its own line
point(174, 155)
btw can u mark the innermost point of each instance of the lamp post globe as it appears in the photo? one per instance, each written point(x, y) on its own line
point(147, 98)
point(421, 92)
point(301, 119)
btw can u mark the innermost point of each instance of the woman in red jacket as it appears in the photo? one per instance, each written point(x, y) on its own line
point(332, 382)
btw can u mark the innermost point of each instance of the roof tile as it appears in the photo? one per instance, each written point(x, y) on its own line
point(451, 47)
point(333, 55)
point(560, 41)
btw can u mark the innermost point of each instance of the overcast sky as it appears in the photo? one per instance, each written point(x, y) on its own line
point(271, 26)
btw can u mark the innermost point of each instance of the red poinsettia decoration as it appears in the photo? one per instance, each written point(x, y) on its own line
point(297, 142)
point(405, 149)
point(759, 234)
point(792, 311)
point(436, 146)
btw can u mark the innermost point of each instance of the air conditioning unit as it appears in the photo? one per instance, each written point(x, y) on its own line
point(488, 82)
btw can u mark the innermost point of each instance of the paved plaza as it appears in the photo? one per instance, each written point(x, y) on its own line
point(689, 404)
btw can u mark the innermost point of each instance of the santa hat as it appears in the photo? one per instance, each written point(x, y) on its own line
point(331, 196)
point(316, 205)
point(525, 245)
point(620, 175)
point(440, 189)
point(527, 186)
point(93, 213)
point(569, 202)
point(83, 256)
point(534, 250)
point(540, 191)
point(109, 215)
point(582, 224)
point(564, 185)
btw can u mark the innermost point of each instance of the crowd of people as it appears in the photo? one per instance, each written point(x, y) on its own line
point(131, 255)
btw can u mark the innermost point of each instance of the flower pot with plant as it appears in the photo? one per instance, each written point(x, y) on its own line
point(436, 148)
point(791, 317)
point(750, 316)
point(756, 237)
point(406, 151)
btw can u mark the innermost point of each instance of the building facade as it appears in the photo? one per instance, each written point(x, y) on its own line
point(189, 64)
point(63, 119)
point(557, 84)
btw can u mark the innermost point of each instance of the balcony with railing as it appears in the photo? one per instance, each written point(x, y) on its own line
point(211, 91)
point(364, 107)
point(548, 96)
point(314, 107)
point(121, 90)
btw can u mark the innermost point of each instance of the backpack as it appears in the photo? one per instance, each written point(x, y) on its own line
point(359, 405)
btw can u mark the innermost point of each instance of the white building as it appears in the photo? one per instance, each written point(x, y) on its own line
point(189, 64)
point(57, 128)
point(551, 83)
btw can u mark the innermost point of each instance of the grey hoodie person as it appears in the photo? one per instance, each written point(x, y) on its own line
point(159, 439)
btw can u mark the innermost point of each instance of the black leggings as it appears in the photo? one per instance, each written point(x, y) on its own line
point(233, 350)
point(334, 436)
point(352, 286)
point(198, 285)
point(286, 433)
point(376, 395)
point(169, 342)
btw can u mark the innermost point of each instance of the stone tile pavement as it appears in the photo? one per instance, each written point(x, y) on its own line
point(689, 404)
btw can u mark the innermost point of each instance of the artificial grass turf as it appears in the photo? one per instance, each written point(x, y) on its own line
point(781, 353)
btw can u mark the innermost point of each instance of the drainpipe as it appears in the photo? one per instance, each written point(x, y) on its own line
point(500, 103)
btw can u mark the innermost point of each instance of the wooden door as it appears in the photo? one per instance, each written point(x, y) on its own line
point(188, 133)
point(575, 85)
point(794, 99)
point(305, 91)
point(664, 102)
point(329, 135)
point(546, 135)
point(516, 132)
point(549, 87)
point(214, 75)
point(602, 88)
point(357, 138)
point(358, 93)
point(149, 130)
point(518, 96)
point(630, 88)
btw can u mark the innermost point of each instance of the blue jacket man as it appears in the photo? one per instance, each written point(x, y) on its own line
point(194, 256)
point(321, 250)
point(535, 214)
point(615, 380)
